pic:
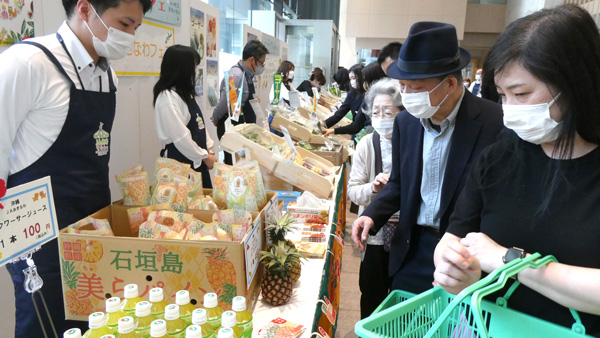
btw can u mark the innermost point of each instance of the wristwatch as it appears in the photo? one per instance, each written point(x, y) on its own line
point(512, 254)
point(211, 152)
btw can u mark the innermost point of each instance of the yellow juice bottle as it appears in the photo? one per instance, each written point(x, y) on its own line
point(175, 325)
point(114, 313)
point(182, 298)
point(158, 329)
point(213, 311)
point(225, 332)
point(158, 303)
point(143, 319)
point(199, 319)
point(243, 316)
point(193, 331)
point(97, 325)
point(229, 320)
point(131, 299)
point(126, 328)
point(72, 333)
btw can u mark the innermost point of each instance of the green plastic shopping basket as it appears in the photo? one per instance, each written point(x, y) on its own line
point(436, 313)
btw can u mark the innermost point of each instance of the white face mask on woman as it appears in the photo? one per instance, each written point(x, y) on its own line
point(532, 122)
point(290, 75)
point(117, 44)
point(419, 104)
point(383, 127)
point(353, 83)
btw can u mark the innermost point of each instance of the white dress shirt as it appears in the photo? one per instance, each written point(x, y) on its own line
point(172, 116)
point(35, 96)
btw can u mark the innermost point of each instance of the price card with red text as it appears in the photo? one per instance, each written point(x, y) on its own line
point(27, 219)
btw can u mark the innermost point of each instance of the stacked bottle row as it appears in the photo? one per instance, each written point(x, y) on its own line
point(137, 318)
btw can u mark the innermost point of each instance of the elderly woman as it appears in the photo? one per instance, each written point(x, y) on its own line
point(371, 169)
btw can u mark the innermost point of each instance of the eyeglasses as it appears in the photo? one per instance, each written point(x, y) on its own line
point(262, 63)
point(384, 112)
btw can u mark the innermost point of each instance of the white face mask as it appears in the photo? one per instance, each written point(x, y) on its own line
point(117, 44)
point(353, 83)
point(532, 122)
point(419, 104)
point(384, 127)
point(291, 75)
point(477, 77)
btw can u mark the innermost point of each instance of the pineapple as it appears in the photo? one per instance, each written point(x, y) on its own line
point(221, 274)
point(75, 306)
point(276, 287)
point(278, 227)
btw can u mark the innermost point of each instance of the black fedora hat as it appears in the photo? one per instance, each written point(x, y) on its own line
point(431, 50)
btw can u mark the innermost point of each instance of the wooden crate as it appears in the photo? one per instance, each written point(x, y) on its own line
point(297, 132)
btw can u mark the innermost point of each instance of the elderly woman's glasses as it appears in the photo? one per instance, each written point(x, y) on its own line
point(384, 112)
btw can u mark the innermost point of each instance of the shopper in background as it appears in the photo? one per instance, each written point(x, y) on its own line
point(57, 92)
point(442, 131)
point(316, 79)
point(353, 100)
point(179, 121)
point(371, 167)
point(252, 63)
point(370, 74)
point(538, 188)
point(388, 55)
point(467, 83)
point(476, 85)
point(342, 79)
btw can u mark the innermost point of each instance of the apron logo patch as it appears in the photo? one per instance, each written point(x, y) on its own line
point(200, 121)
point(102, 140)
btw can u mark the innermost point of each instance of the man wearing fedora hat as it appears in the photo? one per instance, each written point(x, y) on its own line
point(435, 140)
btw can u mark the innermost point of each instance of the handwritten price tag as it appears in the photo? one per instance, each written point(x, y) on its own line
point(27, 220)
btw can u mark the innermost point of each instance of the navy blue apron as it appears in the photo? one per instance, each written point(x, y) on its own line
point(199, 136)
point(77, 163)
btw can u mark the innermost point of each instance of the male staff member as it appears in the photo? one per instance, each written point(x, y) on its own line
point(252, 63)
point(58, 92)
point(388, 55)
point(435, 140)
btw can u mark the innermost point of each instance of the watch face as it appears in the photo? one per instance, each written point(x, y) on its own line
point(512, 254)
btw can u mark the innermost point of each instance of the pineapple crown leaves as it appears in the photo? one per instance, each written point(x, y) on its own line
point(229, 292)
point(279, 259)
point(70, 274)
point(215, 254)
point(278, 227)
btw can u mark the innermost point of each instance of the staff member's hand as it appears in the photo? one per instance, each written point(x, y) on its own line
point(379, 182)
point(360, 230)
point(210, 161)
point(213, 121)
point(327, 132)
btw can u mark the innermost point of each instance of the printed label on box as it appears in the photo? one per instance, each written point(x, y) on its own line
point(252, 248)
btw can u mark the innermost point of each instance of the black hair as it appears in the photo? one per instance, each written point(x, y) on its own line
point(357, 71)
point(555, 46)
point(342, 78)
point(102, 5)
point(457, 74)
point(317, 75)
point(284, 68)
point(178, 71)
point(391, 50)
point(371, 73)
point(254, 48)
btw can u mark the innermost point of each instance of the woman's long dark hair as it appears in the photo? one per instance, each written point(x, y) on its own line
point(560, 47)
point(357, 71)
point(178, 71)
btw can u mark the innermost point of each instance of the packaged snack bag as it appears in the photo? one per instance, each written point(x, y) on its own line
point(175, 220)
point(134, 186)
point(246, 188)
point(180, 202)
point(235, 222)
point(164, 193)
point(139, 215)
point(200, 231)
point(152, 229)
point(136, 169)
point(194, 184)
point(91, 226)
point(221, 182)
point(165, 168)
point(203, 203)
point(224, 231)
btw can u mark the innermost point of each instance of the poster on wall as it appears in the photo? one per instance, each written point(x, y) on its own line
point(197, 32)
point(151, 42)
point(250, 36)
point(212, 82)
point(211, 37)
point(168, 11)
point(16, 21)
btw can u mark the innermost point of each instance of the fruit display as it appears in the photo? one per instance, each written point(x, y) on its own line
point(276, 287)
point(306, 163)
point(277, 228)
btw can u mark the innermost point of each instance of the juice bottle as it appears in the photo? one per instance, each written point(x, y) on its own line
point(193, 331)
point(143, 319)
point(243, 316)
point(199, 319)
point(97, 325)
point(175, 325)
point(126, 328)
point(158, 303)
point(229, 321)
point(108, 336)
point(182, 298)
point(72, 333)
point(213, 311)
point(225, 332)
point(113, 313)
point(131, 299)
point(158, 329)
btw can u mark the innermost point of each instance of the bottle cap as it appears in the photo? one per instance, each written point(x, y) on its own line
point(96, 320)
point(225, 333)
point(210, 300)
point(193, 331)
point(228, 319)
point(131, 291)
point(126, 325)
point(182, 297)
point(108, 336)
point(113, 304)
point(199, 317)
point(143, 309)
point(156, 295)
point(158, 328)
point(238, 304)
point(72, 333)
point(172, 312)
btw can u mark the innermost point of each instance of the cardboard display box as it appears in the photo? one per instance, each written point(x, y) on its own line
point(95, 268)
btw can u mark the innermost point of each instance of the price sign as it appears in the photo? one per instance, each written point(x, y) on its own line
point(252, 247)
point(27, 219)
